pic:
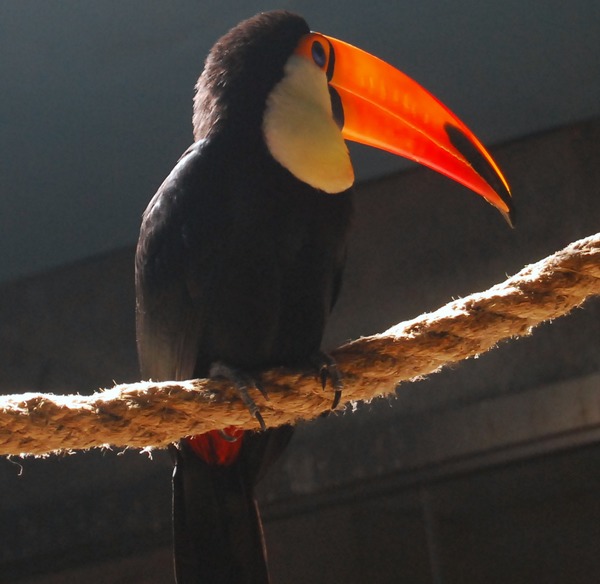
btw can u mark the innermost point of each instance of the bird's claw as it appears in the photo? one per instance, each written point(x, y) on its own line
point(227, 437)
point(241, 381)
point(328, 371)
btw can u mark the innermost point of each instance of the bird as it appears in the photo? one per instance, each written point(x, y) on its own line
point(242, 249)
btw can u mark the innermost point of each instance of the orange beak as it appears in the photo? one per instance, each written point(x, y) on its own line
point(384, 108)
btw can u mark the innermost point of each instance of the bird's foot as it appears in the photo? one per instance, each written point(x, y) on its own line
point(328, 370)
point(242, 383)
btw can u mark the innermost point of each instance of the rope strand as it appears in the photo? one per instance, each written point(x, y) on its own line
point(148, 414)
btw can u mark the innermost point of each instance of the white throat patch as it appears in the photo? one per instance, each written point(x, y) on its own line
point(300, 131)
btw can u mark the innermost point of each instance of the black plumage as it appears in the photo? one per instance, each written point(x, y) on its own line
point(238, 262)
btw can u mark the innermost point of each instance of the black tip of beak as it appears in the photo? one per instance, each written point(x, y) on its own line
point(482, 167)
point(510, 217)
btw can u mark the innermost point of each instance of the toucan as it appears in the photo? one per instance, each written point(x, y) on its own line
point(241, 250)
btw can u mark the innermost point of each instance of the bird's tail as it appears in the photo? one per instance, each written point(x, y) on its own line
point(218, 535)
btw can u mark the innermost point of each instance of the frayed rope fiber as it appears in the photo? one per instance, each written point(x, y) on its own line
point(148, 414)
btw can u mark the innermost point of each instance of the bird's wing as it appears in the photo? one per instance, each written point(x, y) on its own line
point(173, 266)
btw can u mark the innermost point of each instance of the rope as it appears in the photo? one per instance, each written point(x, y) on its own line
point(150, 414)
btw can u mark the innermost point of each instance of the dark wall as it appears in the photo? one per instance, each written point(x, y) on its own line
point(476, 474)
point(96, 96)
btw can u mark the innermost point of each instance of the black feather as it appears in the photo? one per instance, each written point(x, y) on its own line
point(237, 261)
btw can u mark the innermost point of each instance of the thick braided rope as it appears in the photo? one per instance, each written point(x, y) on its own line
point(154, 414)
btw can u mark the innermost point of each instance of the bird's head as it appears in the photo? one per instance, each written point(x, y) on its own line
point(307, 93)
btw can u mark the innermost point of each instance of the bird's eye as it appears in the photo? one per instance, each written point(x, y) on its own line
point(318, 54)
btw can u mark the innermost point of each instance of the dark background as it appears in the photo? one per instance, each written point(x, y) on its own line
point(487, 472)
point(96, 97)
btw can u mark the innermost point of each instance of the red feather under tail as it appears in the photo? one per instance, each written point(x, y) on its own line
point(213, 448)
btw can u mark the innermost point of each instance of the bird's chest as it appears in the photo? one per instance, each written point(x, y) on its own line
point(289, 234)
point(274, 284)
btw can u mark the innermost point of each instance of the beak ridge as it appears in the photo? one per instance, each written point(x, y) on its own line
point(386, 109)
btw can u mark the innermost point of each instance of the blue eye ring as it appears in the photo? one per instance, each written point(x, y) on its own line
point(318, 54)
